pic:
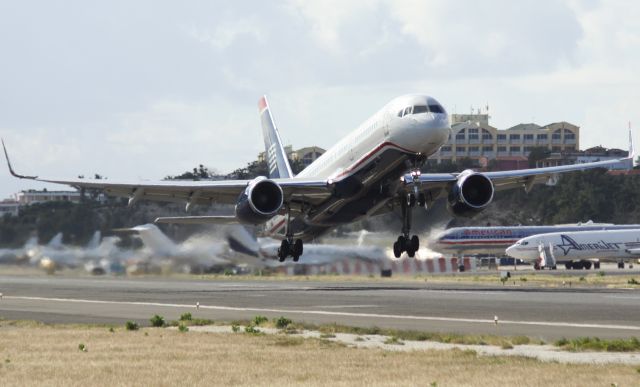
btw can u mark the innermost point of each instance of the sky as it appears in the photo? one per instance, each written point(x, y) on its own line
point(144, 89)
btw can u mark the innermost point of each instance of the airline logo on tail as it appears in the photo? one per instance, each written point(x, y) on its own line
point(569, 244)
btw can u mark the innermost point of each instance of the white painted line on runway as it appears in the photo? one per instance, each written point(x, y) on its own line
point(334, 313)
point(345, 306)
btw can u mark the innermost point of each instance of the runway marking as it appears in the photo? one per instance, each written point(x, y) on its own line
point(345, 306)
point(334, 313)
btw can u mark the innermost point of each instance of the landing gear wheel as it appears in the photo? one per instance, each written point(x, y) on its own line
point(283, 251)
point(296, 252)
point(415, 243)
point(396, 250)
point(461, 268)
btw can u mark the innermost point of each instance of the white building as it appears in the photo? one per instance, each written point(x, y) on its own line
point(9, 206)
point(33, 196)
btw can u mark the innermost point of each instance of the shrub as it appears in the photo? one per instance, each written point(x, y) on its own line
point(185, 317)
point(507, 345)
point(582, 279)
point(393, 340)
point(252, 330)
point(601, 273)
point(633, 281)
point(523, 279)
point(157, 321)
point(235, 328)
point(131, 326)
point(82, 347)
point(183, 328)
point(282, 322)
point(258, 320)
point(327, 336)
point(111, 330)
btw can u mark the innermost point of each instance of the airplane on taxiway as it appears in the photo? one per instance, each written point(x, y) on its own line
point(373, 170)
point(618, 245)
point(495, 239)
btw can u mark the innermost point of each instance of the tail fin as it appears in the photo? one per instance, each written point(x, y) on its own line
point(56, 241)
point(274, 151)
point(155, 240)
point(242, 241)
point(95, 240)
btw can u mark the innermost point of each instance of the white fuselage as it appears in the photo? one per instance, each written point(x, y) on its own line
point(495, 239)
point(375, 153)
point(612, 244)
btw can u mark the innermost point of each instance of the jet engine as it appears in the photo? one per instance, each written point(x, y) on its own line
point(260, 201)
point(470, 194)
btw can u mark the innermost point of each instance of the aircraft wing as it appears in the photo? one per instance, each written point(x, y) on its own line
point(192, 192)
point(435, 183)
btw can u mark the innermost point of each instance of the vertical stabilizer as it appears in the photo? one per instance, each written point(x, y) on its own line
point(155, 240)
point(275, 155)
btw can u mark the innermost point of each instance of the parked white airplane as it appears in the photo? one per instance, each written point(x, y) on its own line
point(495, 239)
point(618, 245)
point(194, 250)
point(371, 171)
point(19, 255)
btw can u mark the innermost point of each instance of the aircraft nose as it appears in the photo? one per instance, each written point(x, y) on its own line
point(513, 251)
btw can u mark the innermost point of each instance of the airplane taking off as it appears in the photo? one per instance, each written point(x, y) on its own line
point(579, 245)
point(371, 171)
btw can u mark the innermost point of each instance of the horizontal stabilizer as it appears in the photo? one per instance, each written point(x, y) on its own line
point(198, 220)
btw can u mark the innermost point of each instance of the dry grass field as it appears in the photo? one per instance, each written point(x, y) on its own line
point(33, 354)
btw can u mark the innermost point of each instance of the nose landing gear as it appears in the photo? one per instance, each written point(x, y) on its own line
point(405, 242)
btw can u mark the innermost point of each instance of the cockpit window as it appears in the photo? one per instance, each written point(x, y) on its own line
point(407, 110)
point(435, 108)
point(524, 243)
point(420, 109)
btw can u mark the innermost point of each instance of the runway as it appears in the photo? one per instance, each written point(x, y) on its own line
point(469, 309)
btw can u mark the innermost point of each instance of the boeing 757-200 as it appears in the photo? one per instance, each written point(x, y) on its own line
point(372, 170)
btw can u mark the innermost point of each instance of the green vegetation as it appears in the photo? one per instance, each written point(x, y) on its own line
point(259, 320)
point(131, 326)
point(633, 281)
point(596, 344)
point(183, 328)
point(393, 340)
point(185, 317)
point(235, 328)
point(157, 321)
point(82, 347)
point(252, 330)
point(282, 322)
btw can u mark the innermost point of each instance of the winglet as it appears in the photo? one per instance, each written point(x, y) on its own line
point(6, 155)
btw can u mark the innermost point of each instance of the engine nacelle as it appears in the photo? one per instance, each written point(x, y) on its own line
point(260, 201)
point(471, 194)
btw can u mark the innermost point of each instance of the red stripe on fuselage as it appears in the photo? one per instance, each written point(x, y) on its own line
point(501, 241)
point(371, 153)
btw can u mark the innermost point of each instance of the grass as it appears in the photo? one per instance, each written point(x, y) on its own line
point(452, 338)
point(581, 344)
point(167, 357)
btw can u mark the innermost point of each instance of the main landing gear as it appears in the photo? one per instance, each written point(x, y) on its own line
point(289, 246)
point(405, 243)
